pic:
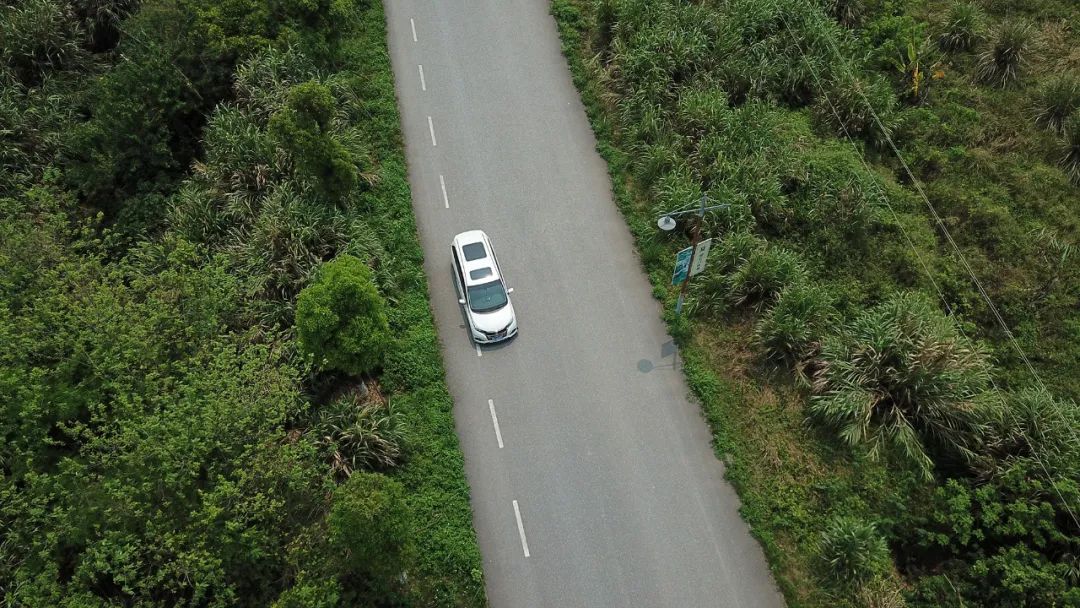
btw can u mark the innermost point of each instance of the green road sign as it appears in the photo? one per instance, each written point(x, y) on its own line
point(682, 266)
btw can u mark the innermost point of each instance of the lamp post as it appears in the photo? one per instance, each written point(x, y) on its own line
point(666, 222)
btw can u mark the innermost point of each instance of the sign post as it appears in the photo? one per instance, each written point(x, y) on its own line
point(690, 261)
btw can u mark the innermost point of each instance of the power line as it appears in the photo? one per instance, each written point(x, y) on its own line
point(922, 262)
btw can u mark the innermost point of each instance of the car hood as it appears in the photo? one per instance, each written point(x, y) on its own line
point(495, 320)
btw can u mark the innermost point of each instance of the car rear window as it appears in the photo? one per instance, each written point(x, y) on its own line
point(474, 251)
point(479, 273)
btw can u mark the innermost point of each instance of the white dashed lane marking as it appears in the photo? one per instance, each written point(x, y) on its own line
point(521, 530)
point(495, 422)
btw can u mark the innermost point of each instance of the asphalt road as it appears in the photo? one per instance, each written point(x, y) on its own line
point(605, 471)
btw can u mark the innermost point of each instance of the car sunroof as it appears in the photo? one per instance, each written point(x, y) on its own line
point(474, 251)
point(480, 273)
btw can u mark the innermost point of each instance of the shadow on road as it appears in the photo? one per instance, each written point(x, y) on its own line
point(668, 349)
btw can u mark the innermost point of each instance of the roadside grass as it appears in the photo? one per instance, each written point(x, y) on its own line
point(447, 566)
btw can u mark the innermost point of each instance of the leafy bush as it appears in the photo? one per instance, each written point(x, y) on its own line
point(146, 113)
point(1070, 148)
point(835, 200)
point(241, 28)
point(369, 525)
point(1015, 530)
point(341, 318)
point(102, 20)
point(848, 12)
point(1030, 425)
point(854, 550)
point(733, 250)
point(763, 275)
point(791, 330)
point(859, 106)
point(1000, 64)
point(710, 289)
point(360, 434)
point(902, 376)
point(1057, 100)
point(963, 27)
point(38, 37)
point(302, 128)
point(284, 244)
point(916, 64)
point(306, 594)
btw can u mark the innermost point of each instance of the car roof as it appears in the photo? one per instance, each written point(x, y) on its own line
point(476, 236)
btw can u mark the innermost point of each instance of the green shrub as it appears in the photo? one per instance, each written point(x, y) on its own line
point(241, 28)
point(836, 200)
point(653, 162)
point(1070, 148)
point(341, 318)
point(915, 64)
point(854, 551)
point(284, 244)
point(263, 81)
point(369, 525)
point(701, 110)
point(710, 289)
point(303, 128)
point(305, 594)
point(791, 330)
point(902, 377)
point(1057, 100)
point(102, 20)
point(38, 37)
point(1006, 541)
point(1000, 64)
point(1030, 425)
point(358, 434)
point(732, 250)
point(963, 27)
point(859, 106)
point(763, 275)
point(848, 13)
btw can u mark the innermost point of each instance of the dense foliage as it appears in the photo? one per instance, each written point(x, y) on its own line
point(893, 443)
point(341, 318)
point(205, 398)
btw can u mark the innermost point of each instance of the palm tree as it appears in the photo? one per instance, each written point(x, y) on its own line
point(902, 377)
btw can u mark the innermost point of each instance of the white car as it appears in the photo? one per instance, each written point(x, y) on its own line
point(481, 288)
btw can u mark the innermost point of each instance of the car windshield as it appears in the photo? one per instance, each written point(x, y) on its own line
point(487, 297)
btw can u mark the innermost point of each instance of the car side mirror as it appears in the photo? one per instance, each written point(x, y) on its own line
point(511, 290)
point(461, 301)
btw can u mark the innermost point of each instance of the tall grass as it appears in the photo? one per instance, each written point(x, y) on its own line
point(1056, 102)
point(1070, 148)
point(854, 551)
point(964, 27)
point(1001, 63)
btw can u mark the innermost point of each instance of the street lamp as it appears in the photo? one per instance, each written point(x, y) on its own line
point(666, 222)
